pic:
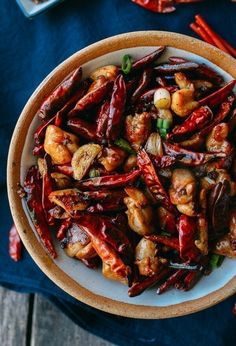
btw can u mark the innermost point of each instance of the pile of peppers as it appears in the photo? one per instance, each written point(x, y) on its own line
point(136, 171)
point(163, 6)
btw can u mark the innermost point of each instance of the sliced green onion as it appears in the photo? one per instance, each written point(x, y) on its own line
point(159, 123)
point(165, 233)
point(221, 260)
point(216, 261)
point(93, 173)
point(165, 124)
point(123, 144)
point(163, 133)
point(126, 64)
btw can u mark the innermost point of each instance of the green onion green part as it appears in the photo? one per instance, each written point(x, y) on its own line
point(123, 144)
point(159, 123)
point(93, 173)
point(126, 64)
point(163, 133)
point(165, 124)
point(216, 261)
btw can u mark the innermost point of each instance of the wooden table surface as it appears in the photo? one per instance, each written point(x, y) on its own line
point(30, 320)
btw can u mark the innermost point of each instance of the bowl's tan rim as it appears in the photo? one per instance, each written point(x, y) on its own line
point(37, 252)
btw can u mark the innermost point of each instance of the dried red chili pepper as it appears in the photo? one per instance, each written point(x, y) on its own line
point(171, 281)
point(120, 221)
point(131, 84)
point(143, 84)
point(60, 95)
point(162, 81)
point(73, 200)
point(219, 201)
point(173, 68)
point(159, 6)
point(171, 242)
point(70, 104)
point(216, 40)
point(117, 104)
point(91, 263)
point(103, 207)
point(190, 280)
point(148, 59)
point(166, 220)
point(222, 113)
point(177, 60)
point(82, 128)
point(103, 195)
point(102, 120)
point(116, 237)
point(105, 251)
point(218, 96)
point(140, 286)
point(152, 181)
point(163, 161)
point(109, 233)
point(33, 188)
point(202, 33)
point(92, 98)
point(109, 181)
point(196, 121)
point(15, 245)
point(39, 134)
point(47, 188)
point(58, 119)
point(38, 150)
point(148, 95)
point(187, 229)
point(65, 225)
point(190, 158)
point(207, 73)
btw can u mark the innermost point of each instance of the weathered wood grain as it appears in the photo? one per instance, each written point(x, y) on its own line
point(51, 327)
point(14, 309)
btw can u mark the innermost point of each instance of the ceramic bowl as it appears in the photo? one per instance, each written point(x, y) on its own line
point(87, 285)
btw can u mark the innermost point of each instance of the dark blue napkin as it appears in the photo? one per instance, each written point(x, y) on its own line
point(29, 50)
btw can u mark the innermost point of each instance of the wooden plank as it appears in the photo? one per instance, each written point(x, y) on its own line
point(51, 327)
point(13, 318)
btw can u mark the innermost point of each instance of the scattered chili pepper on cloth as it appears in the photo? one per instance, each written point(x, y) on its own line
point(205, 31)
point(15, 245)
point(163, 6)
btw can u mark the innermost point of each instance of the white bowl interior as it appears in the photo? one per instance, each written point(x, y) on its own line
point(93, 280)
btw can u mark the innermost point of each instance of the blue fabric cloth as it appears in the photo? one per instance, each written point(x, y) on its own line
point(29, 50)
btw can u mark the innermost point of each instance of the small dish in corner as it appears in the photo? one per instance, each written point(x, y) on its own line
point(31, 8)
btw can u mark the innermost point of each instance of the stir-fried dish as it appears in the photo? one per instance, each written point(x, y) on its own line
point(136, 171)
